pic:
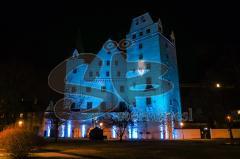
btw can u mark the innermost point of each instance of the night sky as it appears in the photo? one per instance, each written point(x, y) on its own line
point(36, 36)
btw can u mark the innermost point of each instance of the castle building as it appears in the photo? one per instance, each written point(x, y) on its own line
point(139, 74)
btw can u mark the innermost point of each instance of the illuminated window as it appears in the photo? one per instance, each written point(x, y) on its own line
point(140, 46)
point(148, 101)
point(89, 105)
point(122, 89)
point(88, 89)
point(134, 36)
point(21, 115)
point(108, 62)
point(107, 73)
point(140, 33)
point(148, 31)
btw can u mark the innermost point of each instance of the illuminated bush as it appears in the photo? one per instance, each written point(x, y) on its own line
point(18, 142)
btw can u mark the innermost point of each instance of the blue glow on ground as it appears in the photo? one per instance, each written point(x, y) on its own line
point(69, 128)
point(83, 130)
point(62, 130)
point(48, 129)
point(133, 132)
point(161, 131)
point(114, 134)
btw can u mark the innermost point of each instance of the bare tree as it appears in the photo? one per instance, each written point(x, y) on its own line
point(119, 120)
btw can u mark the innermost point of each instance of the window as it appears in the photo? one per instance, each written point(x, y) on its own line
point(140, 46)
point(166, 45)
point(90, 74)
point(148, 80)
point(103, 106)
point(88, 89)
point(107, 73)
point(89, 105)
point(75, 70)
point(118, 73)
point(100, 63)
point(140, 33)
point(140, 57)
point(103, 88)
point(143, 19)
point(108, 62)
point(148, 31)
point(134, 36)
point(148, 101)
point(122, 89)
point(116, 62)
point(73, 106)
point(137, 22)
point(74, 89)
point(134, 103)
point(109, 52)
point(97, 74)
point(148, 66)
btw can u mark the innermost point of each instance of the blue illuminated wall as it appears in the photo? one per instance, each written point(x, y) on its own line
point(148, 45)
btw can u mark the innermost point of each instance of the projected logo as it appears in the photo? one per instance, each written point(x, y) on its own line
point(90, 93)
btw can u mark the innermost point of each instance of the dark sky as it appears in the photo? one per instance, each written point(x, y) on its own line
point(40, 35)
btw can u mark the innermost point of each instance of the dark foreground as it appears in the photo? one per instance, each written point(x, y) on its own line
point(202, 149)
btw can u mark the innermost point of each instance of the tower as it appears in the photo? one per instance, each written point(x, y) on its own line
point(153, 50)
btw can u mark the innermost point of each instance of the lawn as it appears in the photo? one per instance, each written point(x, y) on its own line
point(139, 149)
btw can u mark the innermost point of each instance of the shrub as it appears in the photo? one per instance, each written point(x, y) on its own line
point(96, 134)
point(18, 142)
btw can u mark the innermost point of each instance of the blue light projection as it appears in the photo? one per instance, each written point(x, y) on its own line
point(69, 128)
point(114, 134)
point(83, 130)
point(48, 128)
point(140, 71)
point(62, 130)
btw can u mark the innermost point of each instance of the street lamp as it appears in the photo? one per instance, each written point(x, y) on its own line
point(182, 124)
point(101, 124)
point(218, 85)
point(229, 118)
point(20, 123)
point(238, 112)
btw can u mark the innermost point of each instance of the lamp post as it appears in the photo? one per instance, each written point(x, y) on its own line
point(218, 85)
point(229, 119)
point(182, 124)
point(20, 123)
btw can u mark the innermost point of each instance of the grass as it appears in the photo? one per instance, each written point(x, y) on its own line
point(141, 149)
